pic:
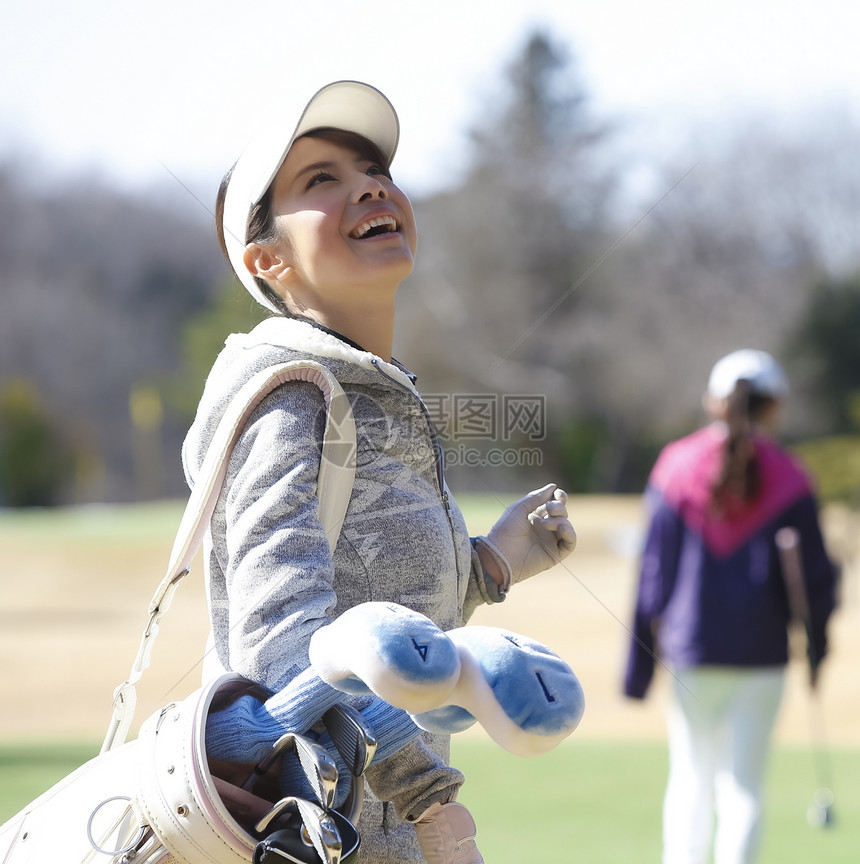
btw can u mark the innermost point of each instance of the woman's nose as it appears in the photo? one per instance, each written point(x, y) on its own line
point(370, 188)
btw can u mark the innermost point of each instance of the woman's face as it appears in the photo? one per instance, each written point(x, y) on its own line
point(348, 232)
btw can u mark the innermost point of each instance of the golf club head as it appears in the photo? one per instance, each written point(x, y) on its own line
point(315, 838)
point(319, 768)
point(351, 807)
point(352, 736)
point(287, 845)
point(819, 814)
point(317, 764)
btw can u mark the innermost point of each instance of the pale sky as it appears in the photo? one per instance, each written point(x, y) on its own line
point(130, 87)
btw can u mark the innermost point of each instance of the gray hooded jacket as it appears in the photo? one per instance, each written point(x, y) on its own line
point(271, 578)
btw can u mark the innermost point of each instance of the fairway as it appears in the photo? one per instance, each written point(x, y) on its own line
point(76, 584)
point(599, 802)
point(591, 801)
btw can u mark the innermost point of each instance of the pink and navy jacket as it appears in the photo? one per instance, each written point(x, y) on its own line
point(710, 588)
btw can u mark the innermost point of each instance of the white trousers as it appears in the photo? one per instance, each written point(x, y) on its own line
point(719, 722)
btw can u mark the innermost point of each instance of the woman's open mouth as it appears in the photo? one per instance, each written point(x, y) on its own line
point(375, 227)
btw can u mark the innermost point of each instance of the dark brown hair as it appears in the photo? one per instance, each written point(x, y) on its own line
point(261, 221)
point(739, 474)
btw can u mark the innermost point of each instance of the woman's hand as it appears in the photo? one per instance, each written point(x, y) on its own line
point(532, 535)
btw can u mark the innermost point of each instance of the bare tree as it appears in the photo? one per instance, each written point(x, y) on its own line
point(95, 288)
point(500, 253)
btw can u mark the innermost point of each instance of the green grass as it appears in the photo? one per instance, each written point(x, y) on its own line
point(158, 521)
point(27, 770)
point(587, 803)
point(590, 802)
point(600, 803)
point(83, 525)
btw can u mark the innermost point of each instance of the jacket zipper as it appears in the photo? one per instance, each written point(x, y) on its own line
point(437, 449)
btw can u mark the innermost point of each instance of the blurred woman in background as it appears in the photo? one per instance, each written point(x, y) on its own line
point(712, 604)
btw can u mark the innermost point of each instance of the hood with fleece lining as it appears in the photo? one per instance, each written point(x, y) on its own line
point(274, 341)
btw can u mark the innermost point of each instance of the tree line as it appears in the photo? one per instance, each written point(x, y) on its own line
point(566, 263)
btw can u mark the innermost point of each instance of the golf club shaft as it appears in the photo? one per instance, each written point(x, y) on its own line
point(791, 561)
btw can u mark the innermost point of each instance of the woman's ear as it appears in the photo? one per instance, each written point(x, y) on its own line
point(265, 261)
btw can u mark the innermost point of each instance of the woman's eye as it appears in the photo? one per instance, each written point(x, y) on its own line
point(375, 170)
point(319, 177)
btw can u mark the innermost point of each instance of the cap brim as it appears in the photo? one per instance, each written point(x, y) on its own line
point(348, 105)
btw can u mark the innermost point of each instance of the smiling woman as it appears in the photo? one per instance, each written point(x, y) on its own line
point(343, 238)
point(317, 230)
point(263, 229)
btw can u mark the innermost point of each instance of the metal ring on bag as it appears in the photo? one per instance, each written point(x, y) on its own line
point(140, 833)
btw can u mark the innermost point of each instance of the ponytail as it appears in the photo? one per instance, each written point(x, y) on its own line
point(739, 475)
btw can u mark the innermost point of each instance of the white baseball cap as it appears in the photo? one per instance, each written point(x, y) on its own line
point(347, 105)
point(764, 374)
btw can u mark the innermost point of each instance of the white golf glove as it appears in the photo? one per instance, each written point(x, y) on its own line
point(532, 535)
point(446, 835)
